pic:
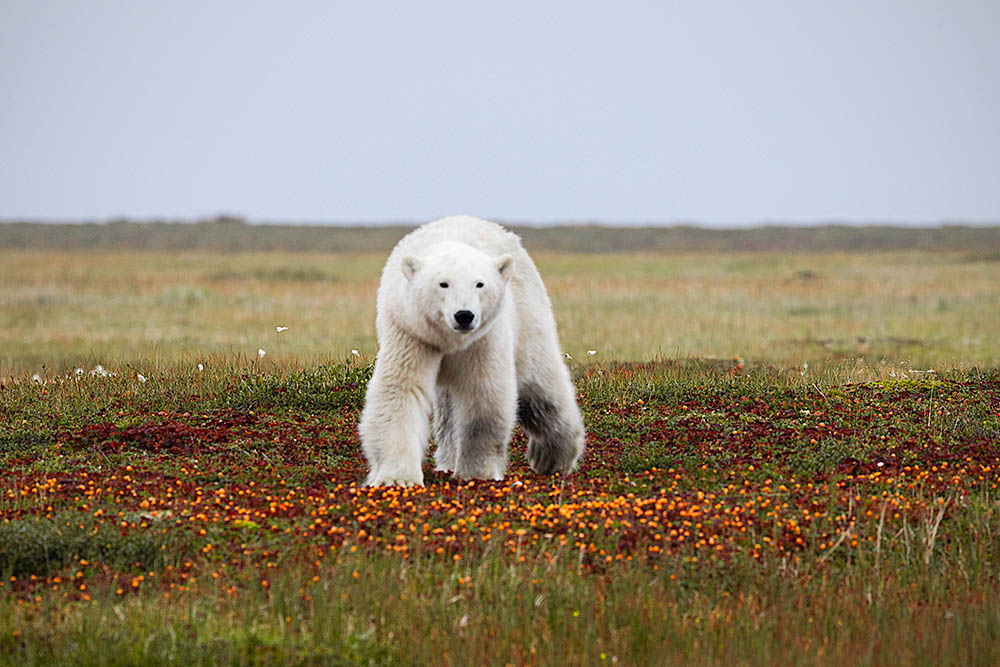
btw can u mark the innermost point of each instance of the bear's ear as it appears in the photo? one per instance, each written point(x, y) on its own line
point(505, 266)
point(410, 266)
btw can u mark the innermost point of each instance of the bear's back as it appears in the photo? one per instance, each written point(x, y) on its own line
point(486, 236)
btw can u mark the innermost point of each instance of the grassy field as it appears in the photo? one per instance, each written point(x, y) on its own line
point(925, 310)
point(774, 473)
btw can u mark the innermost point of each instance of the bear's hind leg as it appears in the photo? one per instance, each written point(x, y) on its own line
point(484, 447)
point(445, 437)
point(481, 383)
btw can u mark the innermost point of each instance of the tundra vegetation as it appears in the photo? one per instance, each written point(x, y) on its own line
point(793, 456)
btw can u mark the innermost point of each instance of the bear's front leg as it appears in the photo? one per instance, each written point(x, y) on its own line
point(394, 425)
point(482, 389)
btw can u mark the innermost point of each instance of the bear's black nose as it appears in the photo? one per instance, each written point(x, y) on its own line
point(464, 318)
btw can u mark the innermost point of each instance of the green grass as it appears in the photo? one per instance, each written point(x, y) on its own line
point(492, 612)
point(55, 542)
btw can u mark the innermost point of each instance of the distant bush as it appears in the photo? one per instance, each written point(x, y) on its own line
point(39, 546)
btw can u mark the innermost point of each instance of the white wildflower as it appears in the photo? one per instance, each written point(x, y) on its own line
point(201, 367)
point(140, 377)
point(78, 371)
point(280, 329)
point(36, 378)
point(99, 371)
point(567, 355)
point(591, 353)
point(261, 352)
point(355, 353)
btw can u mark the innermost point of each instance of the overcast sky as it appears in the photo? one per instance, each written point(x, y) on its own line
point(716, 112)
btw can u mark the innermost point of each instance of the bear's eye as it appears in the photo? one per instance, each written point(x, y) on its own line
point(442, 284)
point(479, 285)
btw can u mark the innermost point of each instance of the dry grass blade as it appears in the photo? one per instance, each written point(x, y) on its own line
point(931, 525)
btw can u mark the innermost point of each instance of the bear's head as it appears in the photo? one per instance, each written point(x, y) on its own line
point(456, 289)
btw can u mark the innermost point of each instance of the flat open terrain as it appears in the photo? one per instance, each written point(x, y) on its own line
point(792, 458)
point(926, 310)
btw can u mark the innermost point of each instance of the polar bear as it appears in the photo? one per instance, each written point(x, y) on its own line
point(465, 329)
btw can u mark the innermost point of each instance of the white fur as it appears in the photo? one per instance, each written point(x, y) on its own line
point(471, 378)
